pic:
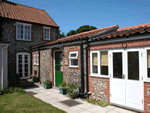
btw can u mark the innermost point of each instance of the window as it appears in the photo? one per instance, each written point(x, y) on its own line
point(37, 59)
point(34, 60)
point(99, 63)
point(148, 63)
point(73, 59)
point(94, 62)
point(104, 62)
point(23, 31)
point(46, 33)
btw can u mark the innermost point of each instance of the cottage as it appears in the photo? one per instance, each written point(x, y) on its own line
point(111, 63)
point(22, 27)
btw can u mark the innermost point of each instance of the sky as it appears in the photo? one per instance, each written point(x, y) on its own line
point(71, 14)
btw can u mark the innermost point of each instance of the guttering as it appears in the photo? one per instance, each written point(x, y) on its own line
point(2, 75)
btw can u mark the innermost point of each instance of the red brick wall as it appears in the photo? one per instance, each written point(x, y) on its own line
point(146, 97)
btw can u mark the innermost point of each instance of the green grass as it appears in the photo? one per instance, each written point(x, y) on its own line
point(23, 103)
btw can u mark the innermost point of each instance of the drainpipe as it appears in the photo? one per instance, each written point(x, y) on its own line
point(82, 68)
point(2, 75)
point(39, 66)
point(87, 79)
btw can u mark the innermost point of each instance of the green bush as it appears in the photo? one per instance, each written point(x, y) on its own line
point(1, 91)
point(63, 84)
point(97, 102)
point(47, 81)
point(13, 90)
point(71, 87)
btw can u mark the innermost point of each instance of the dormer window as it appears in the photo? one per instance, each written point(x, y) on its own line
point(46, 33)
point(23, 31)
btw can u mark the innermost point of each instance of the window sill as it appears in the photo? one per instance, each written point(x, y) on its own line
point(46, 39)
point(73, 66)
point(147, 80)
point(23, 40)
point(100, 76)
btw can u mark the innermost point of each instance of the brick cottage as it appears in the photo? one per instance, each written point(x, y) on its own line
point(110, 63)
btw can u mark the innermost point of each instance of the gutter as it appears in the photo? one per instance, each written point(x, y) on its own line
point(2, 75)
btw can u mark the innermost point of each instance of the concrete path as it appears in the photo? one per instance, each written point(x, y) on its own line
point(53, 97)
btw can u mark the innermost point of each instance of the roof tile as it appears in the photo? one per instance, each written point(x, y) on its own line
point(20, 12)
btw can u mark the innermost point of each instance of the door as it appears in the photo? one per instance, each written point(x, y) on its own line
point(126, 84)
point(58, 68)
point(23, 65)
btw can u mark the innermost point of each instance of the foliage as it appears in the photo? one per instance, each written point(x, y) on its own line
point(61, 35)
point(85, 28)
point(63, 84)
point(72, 32)
point(35, 72)
point(13, 90)
point(70, 89)
point(81, 29)
point(97, 102)
point(23, 103)
point(47, 81)
point(1, 91)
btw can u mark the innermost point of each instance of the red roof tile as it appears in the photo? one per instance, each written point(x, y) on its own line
point(142, 28)
point(25, 13)
point(82, 35)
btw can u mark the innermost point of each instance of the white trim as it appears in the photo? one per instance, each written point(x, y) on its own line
point(99, 70)
point(23, 63)
point(34, 60)
point(71, 58)
point(37, 62)
point(49, 33)
point(24, 24)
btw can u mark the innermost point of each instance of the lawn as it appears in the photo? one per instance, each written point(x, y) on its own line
point(23, 103)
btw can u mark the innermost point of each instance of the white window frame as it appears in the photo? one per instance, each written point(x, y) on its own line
point(99, 66)
point(146, 78)
point(34, 59)
point(23, 31)
point(49, 33)
point(37, 59)
point(73, 52)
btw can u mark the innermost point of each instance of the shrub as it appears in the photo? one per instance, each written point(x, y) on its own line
point(13, 90)
point(1, 91)
point(97, 102)
point(47, 81)
point(71, 87)
point(63, 84)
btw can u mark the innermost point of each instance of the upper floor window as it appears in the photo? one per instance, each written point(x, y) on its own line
point(73, 59)
point(23, 31)
point(148, 63)
point(46, 33)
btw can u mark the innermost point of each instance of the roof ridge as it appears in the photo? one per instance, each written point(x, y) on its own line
point(133, 27)
point(23, 5)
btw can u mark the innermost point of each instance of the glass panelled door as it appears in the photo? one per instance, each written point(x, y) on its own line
point(58, 68)
point(117, 81)
point(23, 65)
point(126, 84)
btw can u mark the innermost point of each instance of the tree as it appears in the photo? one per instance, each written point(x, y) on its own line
point(72, 32)
point(61, 35)
point(81, 29)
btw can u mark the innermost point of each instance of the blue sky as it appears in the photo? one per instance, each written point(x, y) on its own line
point(70, 14)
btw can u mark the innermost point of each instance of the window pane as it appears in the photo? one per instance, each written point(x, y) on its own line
point(104, 62)
point(74, 62)
point(94, 63)
point(73, 54)
point(117, 65)
point(133, 65)
point(148, 63)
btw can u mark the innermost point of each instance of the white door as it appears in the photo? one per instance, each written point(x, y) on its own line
point(126, 84)
point(23, 65)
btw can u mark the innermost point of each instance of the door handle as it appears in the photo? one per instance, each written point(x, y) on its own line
point(123, 76)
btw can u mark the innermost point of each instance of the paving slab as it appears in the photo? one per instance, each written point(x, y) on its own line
point(53, 97)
